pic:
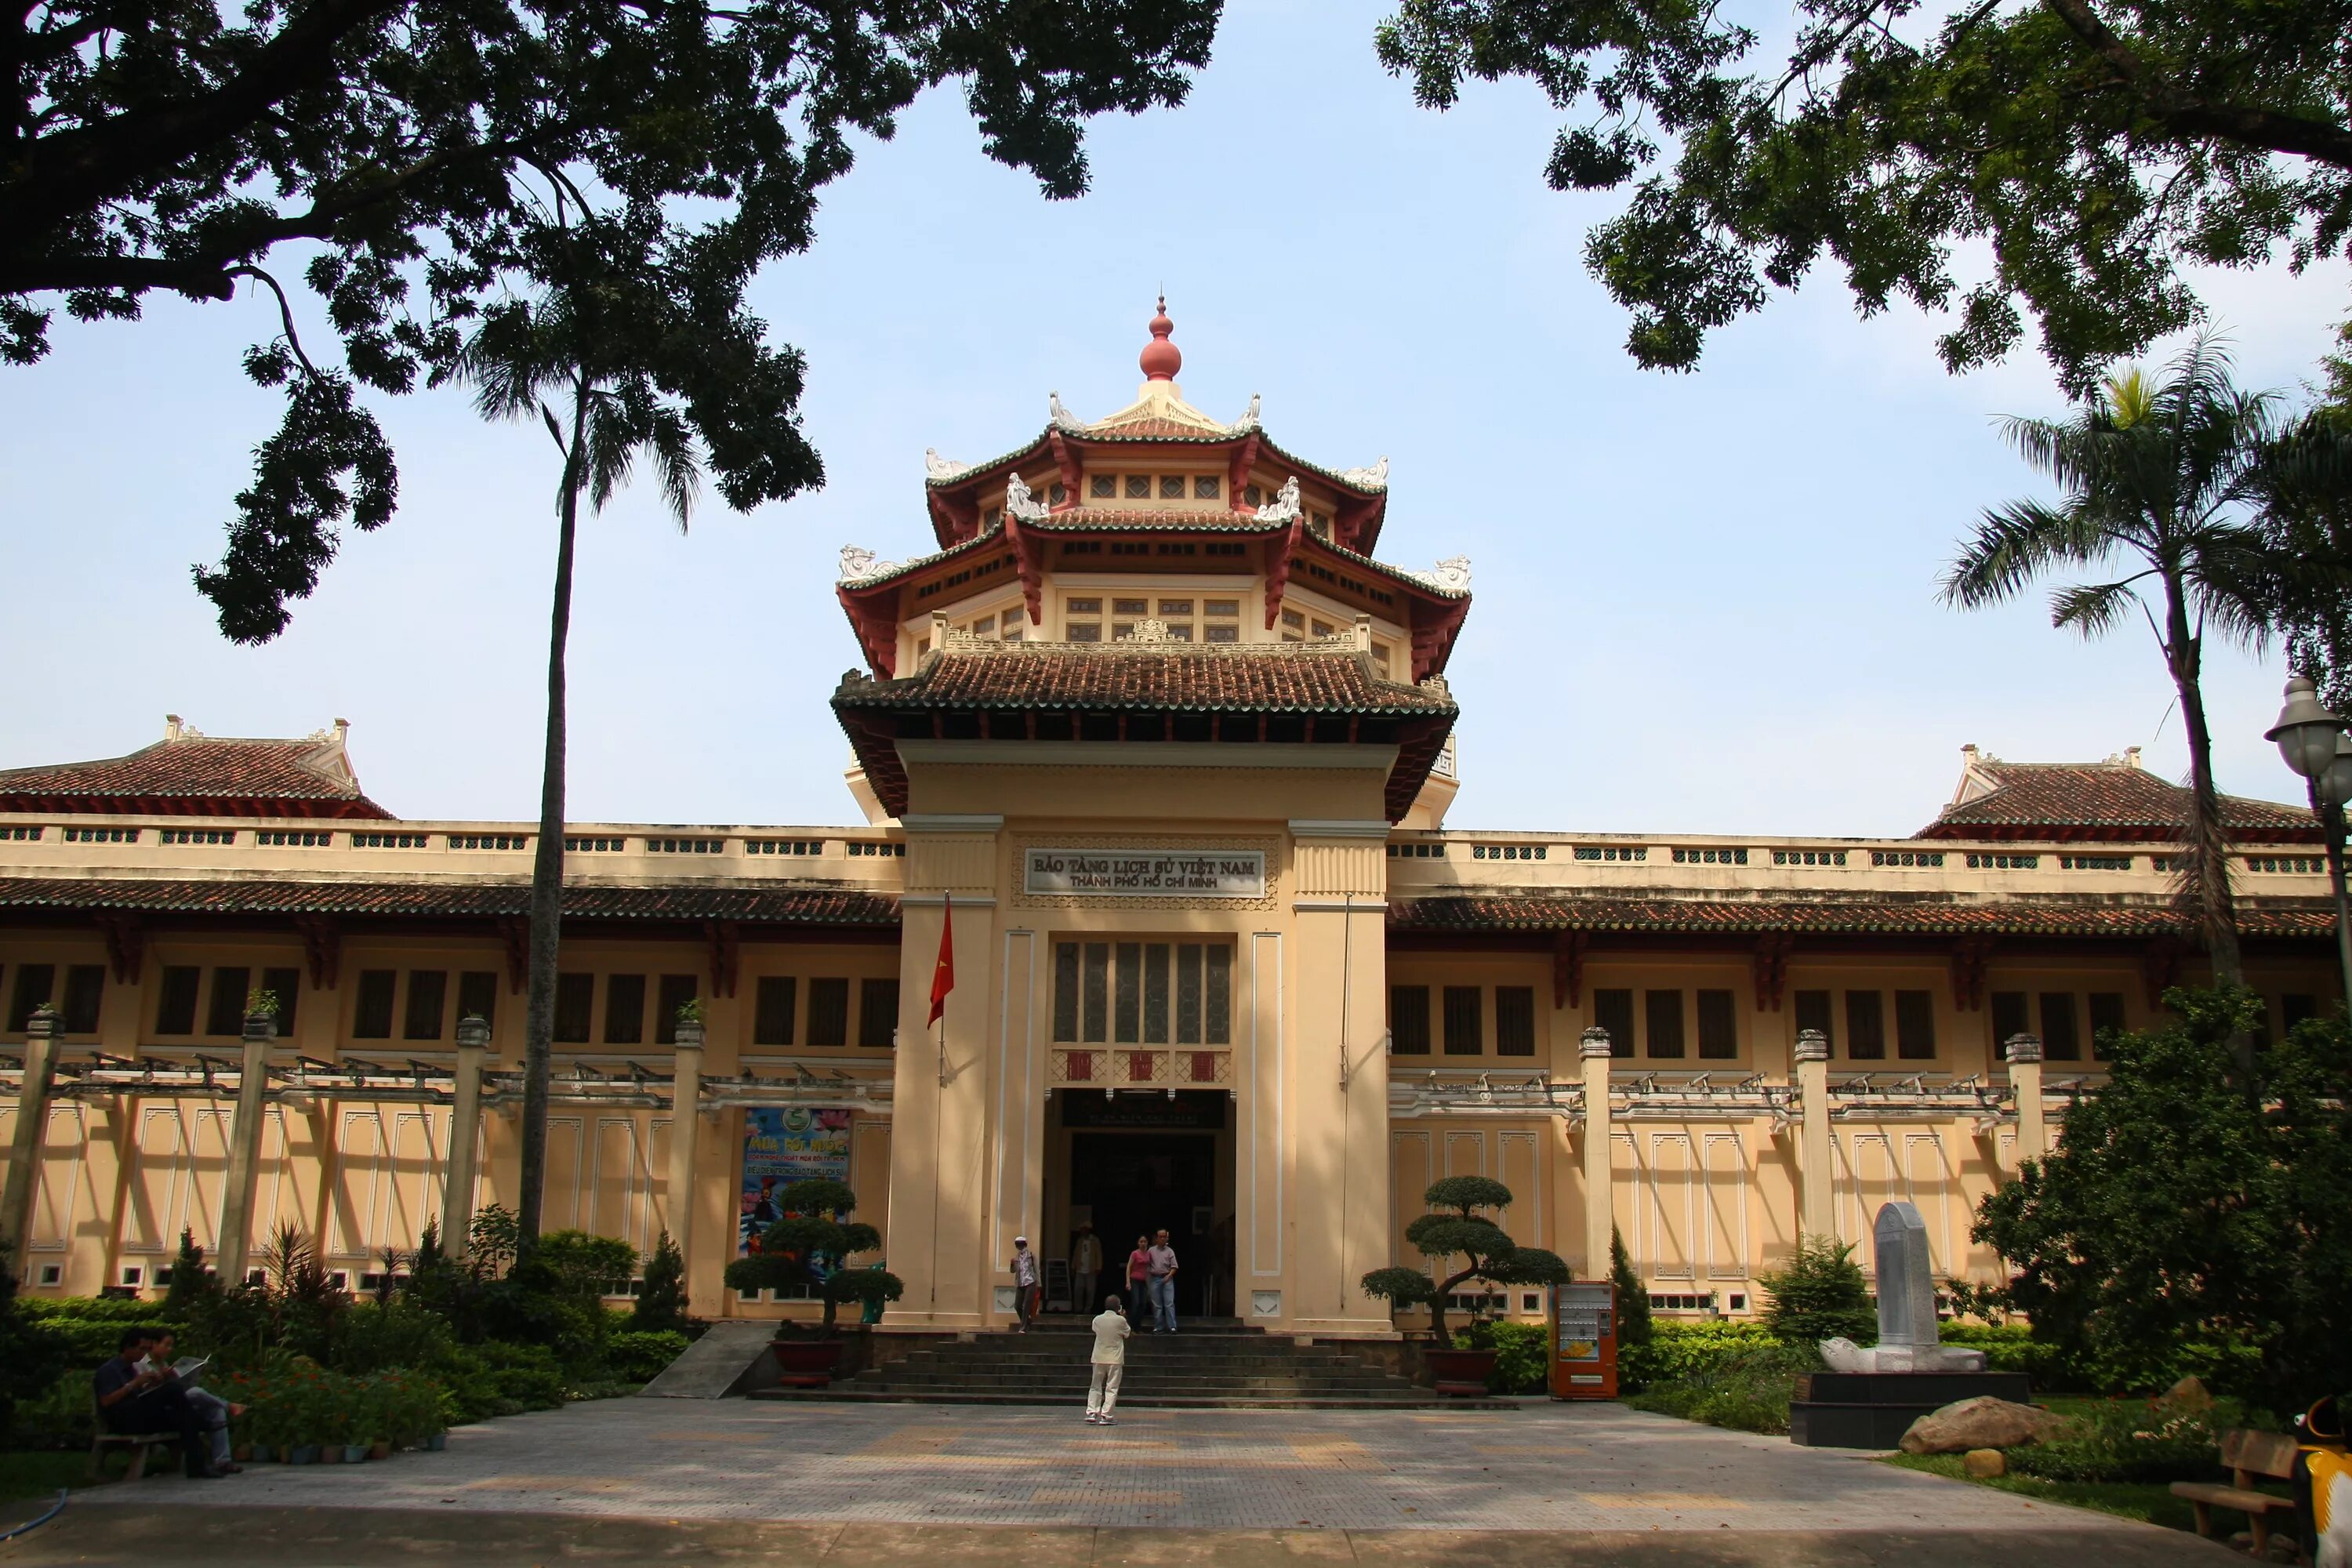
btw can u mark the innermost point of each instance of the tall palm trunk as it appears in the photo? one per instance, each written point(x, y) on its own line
point(2205, 879)
point(547, 866)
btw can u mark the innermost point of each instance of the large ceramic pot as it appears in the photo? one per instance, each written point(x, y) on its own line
point(1460, 1373)
point(805, 1363)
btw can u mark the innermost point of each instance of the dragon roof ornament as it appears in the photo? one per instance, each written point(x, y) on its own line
point(1450, 575)
point(1062, 417)
point(940, 470)
point(1375, 478)
point(859, 563)
point(1020, 502)
point(1284, 506)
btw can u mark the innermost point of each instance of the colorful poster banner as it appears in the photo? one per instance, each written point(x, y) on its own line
point(783, 1144)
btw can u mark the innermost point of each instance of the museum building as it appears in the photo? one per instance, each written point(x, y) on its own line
point(1155, 726)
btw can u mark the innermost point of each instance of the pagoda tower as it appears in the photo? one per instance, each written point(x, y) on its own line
point(1147, 716)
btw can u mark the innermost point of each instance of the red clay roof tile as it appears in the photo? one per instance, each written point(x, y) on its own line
point(2117, 800)
point(194, 772)
point(773, 905)
point(1245, 677)
point(2012, 916)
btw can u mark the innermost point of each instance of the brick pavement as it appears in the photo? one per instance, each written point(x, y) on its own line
point(1537, 1467)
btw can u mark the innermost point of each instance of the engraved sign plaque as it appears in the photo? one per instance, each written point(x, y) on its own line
point(1147, 873)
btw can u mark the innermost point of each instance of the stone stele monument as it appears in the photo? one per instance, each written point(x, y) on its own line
point(1908, 1335)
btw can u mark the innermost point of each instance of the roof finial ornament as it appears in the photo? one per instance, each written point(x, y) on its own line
point(1060, 413)
point(1161, 359)
point(1249, 419)
point(1284, 506)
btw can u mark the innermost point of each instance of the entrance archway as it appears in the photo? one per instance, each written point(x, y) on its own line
point(1135, 1163)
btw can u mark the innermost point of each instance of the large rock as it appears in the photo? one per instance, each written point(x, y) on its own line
point(1981, 1423)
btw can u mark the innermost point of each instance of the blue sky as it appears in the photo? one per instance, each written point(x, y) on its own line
point(1703, 603)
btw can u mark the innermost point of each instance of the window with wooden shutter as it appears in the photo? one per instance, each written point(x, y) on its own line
point(1663, 1015)
point(1865, 1025)
point(1612, 1009)
point(1914, 1025)
point(1465, 1021)
point(1718, 1027)
point(1408, 1020)
point(1515, 1020)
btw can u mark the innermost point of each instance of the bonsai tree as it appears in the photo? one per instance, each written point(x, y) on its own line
point(1454, 1227)
point(812, 1245)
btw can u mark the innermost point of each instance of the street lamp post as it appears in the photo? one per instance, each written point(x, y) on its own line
point(2314, 745)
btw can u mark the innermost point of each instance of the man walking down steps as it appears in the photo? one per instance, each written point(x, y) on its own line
point(1111, 1328)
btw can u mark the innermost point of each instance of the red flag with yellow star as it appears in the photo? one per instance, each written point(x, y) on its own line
point(943, 973)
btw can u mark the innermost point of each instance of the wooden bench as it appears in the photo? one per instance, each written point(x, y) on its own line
point(137, 1443)
point(2249, 1455)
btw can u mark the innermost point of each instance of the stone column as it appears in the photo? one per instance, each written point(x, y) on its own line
point(684, 1117)
point(1817, 1212)
point(464, 1135)
point(2025, 1083)
point(245, 1152)
point(1600, 1208)
point(32, 1121)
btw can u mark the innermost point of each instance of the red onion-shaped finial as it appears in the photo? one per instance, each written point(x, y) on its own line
point(1161, 358)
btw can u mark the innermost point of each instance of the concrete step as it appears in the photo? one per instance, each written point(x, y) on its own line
point(854, 1393)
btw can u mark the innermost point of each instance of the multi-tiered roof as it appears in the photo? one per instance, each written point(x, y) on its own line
point(1276, 514)
point(1157, 489)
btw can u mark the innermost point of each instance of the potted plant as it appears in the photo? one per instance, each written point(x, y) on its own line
point(812, 1245)
point(1454, 1227)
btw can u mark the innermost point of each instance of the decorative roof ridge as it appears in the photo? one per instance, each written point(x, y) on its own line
point(861, 568)
point(942, 472)
point(1450, 578)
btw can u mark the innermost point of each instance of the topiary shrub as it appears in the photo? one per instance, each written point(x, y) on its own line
point(661, 1301)
point(812, 1245)
point(1455, 1229)
point(1822, 1294)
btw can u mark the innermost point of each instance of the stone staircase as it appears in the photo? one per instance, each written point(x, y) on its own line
point(1211, 1366)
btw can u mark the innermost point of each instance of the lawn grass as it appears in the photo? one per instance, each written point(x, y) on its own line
point(39, 1472)
point(2149, 1501)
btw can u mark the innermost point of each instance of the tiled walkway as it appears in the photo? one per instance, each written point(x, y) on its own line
point(1541, 1467)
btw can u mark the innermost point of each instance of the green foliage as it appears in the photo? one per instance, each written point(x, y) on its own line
point(1522, 1355)
point(192, 1287)
point(389, 1336)
point(661, 1303)
point(492, 1241)
point(412, 152)
point(292, 1399)
point(1747, 1388)
point(638, 1356)
point(814, 1235)
point(2182, 1224)
point(2133, 1440)
point(1677, 1351)
point(587, 1266)
point(1820, 1295)
point(1632, 1296)
point(1490, 1252)
point(2090, 152)
point(31, 1356)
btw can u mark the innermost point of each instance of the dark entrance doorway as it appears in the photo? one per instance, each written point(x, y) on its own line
point(1143, 1163)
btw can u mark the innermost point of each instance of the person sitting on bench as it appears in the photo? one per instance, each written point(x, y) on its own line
point(210, 1408)
point(132, 1402)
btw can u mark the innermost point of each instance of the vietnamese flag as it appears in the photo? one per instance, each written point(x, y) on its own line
point(943, 973)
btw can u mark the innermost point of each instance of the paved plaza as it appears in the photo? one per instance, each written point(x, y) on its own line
point(1534, 1483)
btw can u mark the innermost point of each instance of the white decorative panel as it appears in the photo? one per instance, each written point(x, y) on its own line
point(1723, 1197)
point(1673, 1207)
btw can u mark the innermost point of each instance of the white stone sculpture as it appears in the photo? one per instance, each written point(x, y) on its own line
point(1375, 478)
point(1063, 418)
point(1451, 576)
point(1908, 1334)
point(1284, 506)
point(938, 467)
point(858, 562)
point(1149, 630)
point(1249, 420)
point(1021, 502)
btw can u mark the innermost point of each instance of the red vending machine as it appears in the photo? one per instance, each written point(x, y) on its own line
point(1585, 1341)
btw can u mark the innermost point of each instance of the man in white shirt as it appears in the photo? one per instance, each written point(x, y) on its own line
point(1085, 1266)
point(1111, 1328)
point(1025, 1282)
point(1163, 1285)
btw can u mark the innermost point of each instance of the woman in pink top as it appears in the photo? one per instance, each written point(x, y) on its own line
point(1138, 1278)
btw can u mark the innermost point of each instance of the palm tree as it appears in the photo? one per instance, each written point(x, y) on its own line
point(617, 354)
point(2163, 481)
